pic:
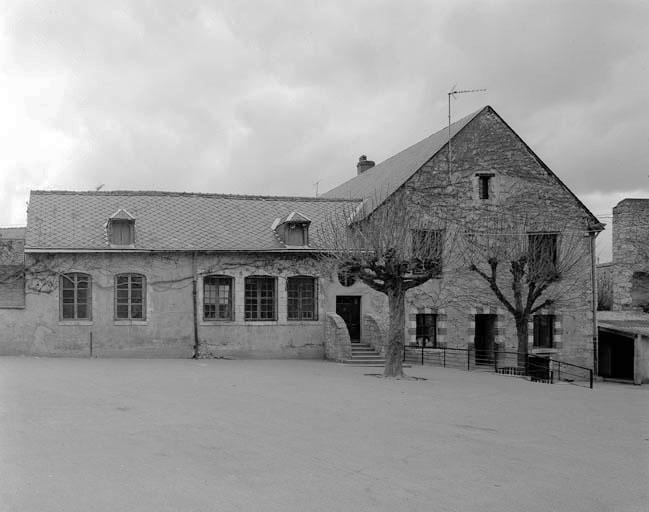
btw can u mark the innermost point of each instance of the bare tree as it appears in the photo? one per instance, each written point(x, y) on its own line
point(527, 266)
point(390, 250)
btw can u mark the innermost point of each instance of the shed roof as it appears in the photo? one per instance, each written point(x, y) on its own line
point(169, 221)
point(629, 322)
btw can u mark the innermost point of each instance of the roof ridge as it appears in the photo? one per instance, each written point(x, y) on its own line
point(189, 194)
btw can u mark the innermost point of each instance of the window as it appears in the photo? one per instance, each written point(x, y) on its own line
point(427, 246)
point(346, 278)
point(130, 297)
point(426, 332)
point(483, 186)
point(259, 298)
point(12, 270)
point(12, 286)
point(122, 232)
point(75, 298)
point(544, 331)
point(302, 303)
point(542, 254)
point(296, 234)
point(217, 298)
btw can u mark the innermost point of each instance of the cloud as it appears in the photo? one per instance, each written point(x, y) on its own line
point(270, 97)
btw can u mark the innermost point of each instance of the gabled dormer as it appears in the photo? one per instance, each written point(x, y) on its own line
point(120, 229)
point(293, 230)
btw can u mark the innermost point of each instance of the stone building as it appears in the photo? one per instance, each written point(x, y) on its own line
point(631, 255)
point(624, 331)
point(170, 274)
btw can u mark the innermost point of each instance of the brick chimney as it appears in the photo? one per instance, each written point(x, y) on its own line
point(363, 164)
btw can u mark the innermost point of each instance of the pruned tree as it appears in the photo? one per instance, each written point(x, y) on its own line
point(391, 251)
point(527, 266)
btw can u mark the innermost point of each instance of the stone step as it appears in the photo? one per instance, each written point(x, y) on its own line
point(365, 362)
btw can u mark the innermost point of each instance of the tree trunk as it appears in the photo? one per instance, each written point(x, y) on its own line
point(394, 350)
point(521, 334)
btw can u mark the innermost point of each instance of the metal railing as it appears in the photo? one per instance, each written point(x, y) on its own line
point(538, 368)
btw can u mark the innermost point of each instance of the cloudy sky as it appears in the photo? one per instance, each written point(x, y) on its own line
point(254, 97)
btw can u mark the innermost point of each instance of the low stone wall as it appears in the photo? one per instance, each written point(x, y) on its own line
point(372, 334)
point(337, 344)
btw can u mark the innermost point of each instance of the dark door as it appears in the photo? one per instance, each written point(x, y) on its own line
point(349, 309)
point(484, 338)
point(615, 356)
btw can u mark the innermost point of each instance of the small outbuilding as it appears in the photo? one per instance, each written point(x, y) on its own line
point(624, 345)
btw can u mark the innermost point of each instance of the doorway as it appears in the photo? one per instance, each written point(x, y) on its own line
point(616, 353)
point(349, 309)
point(485, 334)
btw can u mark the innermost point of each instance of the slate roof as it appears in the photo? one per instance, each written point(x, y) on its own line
point(629, 322)
point(168, 221)
point(380, 181)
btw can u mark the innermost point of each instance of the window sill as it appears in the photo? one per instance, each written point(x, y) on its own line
point(13, 307)
point(541, 351)
point(302, 320)
point(75, 322)
point(130, 322)
point(217, 321)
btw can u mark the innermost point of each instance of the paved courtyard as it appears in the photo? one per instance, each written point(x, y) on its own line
point(216, 435)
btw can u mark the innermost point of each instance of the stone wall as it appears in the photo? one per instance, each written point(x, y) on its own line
point(527, 197)
point(373, 334)
point(337, 344)
point(631, 254)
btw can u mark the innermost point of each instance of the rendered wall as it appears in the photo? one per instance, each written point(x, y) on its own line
point(168, 330)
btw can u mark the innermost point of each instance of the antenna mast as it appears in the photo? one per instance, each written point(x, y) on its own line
point(453, 92)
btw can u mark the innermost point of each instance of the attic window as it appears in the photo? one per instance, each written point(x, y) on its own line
point(484, 186)
point(122, 232)
point(293, 230)
point(121, 228)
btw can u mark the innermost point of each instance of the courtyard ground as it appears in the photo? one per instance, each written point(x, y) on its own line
point(216, 435)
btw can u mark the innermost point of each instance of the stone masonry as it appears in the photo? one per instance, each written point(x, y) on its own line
point(631, 255)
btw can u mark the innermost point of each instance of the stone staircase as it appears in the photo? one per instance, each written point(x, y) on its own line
point(364, 355)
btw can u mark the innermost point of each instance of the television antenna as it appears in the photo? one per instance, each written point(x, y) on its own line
point(454, 92)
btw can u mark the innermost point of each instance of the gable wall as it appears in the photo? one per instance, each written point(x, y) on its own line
point(526, 193)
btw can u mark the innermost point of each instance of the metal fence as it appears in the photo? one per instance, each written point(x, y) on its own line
point(537, 368)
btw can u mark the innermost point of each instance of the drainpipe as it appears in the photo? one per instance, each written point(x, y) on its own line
point(195, 306)
point(593, 280)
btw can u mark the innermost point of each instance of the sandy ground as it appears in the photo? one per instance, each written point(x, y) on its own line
point(179, 435)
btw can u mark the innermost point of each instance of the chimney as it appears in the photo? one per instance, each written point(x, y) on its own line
point(364, 164)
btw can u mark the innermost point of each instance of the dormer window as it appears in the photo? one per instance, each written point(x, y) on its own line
point(121, 228)
point(293, 231)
